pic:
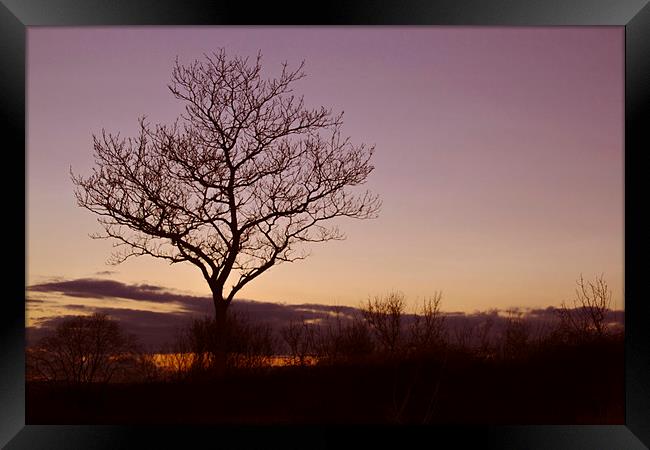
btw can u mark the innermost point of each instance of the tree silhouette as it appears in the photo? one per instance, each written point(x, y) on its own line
point(83, 349)
point(299, 337)
point(587, 318)
point(236, 184)
point(427, 331)
point(384, 316)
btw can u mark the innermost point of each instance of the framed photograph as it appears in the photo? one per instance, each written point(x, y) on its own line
point(374, 224)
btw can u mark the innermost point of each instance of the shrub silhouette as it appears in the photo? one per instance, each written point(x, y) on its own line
point(383, 314)
point(84, 349)
point(300, 338)
point(196, 349)
point(427, 331)
point(515, 337)
point(464, 336)
point(585, 321)
point(340, 341)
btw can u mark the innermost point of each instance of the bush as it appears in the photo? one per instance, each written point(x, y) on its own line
point(337, 342)
point(197, 346)
point(515, 338)
point(300, 338)
point(84, 349)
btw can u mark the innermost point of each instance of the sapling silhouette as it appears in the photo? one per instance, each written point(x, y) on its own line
point(384, 316)
point(586, 320)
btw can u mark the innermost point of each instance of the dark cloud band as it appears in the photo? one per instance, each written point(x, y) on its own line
point(155, 328)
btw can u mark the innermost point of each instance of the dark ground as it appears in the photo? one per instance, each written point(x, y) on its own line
point(576, 385)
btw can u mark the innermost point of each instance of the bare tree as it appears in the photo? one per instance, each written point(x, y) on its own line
point(328, 339)
point(299, 336)
point(590, 306)
point(428, 326)
point(200, 346)
point(485, 346)
point(355, 340)
point(342, 339)
point(384, 316)
point(146, 367)
point(516, 335)
point(464, 334)
point(83, 349)
point(236, 184)
point(177, 357)
point(249, 345)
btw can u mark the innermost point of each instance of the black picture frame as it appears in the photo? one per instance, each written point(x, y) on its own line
point(634, 15)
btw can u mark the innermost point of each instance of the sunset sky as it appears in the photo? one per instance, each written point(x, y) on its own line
point(499, 157)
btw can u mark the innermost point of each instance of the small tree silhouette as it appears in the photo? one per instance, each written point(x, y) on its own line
point(516, 335)
point(464, 335)
point(484, 339)
point(83, 349)
point(384, 316)
point(246, 345)
point(300, 338)
point(342, 339)
point(428, 326)
point(586, 319)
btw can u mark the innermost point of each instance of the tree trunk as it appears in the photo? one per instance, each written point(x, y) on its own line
point(220, 322)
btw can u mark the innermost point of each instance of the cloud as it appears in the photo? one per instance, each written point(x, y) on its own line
point(101, 288)
point(78, 306)
point(155, 328)
point(105, 273)
point(274, 313)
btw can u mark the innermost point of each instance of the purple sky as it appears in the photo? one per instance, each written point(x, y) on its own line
point(499, 154)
